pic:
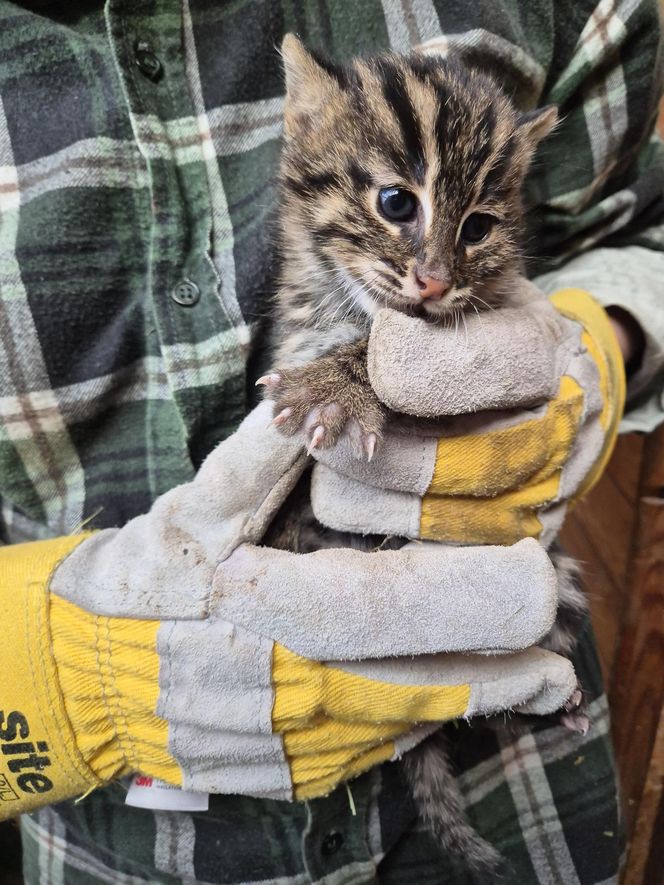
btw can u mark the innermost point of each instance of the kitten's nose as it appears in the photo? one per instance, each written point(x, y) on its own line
point(432, 288)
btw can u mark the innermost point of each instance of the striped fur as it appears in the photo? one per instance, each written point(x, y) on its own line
point(445, 133)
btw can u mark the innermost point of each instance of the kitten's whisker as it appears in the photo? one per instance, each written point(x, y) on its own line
point(479, 317)
point(328, 297)
point(322, 305)
point(486, 304)
point(367, 287)
point(377, 289)
point(332, 320)
point(463, 317)
point(349, 299)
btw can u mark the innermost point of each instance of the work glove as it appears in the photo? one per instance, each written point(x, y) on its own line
point(176, 647)
point(536, 391)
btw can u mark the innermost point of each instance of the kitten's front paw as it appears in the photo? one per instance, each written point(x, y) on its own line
point(325, 408)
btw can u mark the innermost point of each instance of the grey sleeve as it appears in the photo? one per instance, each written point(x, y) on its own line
point(630, 277)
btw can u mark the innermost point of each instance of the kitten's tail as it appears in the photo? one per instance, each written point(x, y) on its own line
point(440, 805)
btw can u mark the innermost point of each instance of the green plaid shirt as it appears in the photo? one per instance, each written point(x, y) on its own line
point(139, 142)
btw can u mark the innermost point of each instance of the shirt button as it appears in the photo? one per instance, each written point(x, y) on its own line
point(331, 843)
point(186, 293)
point(147, 62)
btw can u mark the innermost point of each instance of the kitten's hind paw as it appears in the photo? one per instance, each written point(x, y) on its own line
point(574, 716)
point(574, 701)
point(576, 722)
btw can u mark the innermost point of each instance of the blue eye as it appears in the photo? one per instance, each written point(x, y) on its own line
point(476, 227)
point(397, 204)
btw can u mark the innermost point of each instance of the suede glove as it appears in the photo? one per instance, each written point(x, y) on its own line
point(178, 648)
point(536, 391)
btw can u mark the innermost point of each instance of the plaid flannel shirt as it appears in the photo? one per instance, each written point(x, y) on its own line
point(139, 141)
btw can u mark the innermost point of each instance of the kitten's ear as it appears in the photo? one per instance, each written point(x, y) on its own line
point(537, 124)
point(309, 83)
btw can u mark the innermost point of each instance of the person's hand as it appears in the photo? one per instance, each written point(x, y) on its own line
point(176, 647)
point(537, 391)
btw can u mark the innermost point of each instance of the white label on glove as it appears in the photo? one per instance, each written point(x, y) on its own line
point(150, 792)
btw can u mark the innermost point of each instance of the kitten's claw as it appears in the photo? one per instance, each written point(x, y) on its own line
point(369, 444)
point(576, 722)
point(317, 438)
point(282, 417)
point(574, 716)
point(574, 701)
point(269, 380)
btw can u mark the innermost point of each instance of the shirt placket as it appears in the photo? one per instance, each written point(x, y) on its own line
point(202, 335)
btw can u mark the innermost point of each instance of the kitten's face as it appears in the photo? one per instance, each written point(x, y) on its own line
point(402, 179)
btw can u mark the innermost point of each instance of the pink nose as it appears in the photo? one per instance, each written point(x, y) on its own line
point(432, 288)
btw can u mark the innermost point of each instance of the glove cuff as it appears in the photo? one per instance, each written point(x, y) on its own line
point(108, 671)
point(78, 691)
point(600, 340)
point(40, 761)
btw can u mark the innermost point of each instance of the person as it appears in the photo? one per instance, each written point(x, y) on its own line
point(138, 150)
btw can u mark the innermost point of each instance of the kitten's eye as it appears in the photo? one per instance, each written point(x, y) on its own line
point(476, 227)
point(397, 204)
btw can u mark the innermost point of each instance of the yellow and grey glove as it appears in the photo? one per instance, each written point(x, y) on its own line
point(176, 647)
point(536, 392)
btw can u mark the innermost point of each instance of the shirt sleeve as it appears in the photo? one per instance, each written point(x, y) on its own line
point(630, 277)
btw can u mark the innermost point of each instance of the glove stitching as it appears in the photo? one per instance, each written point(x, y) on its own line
point(44, 679)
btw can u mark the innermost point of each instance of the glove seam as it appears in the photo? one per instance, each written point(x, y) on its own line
point(113, 716)
point(423, 470)
point(164, 676)
point(279, 491)
point(614, 369)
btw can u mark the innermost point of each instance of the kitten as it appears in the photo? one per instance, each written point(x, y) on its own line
point(401, 187)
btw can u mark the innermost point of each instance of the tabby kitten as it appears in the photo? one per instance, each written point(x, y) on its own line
point(401, 187)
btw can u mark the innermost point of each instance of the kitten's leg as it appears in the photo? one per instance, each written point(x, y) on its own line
point(441, 806)
point(572, 609)
point(328, 397)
